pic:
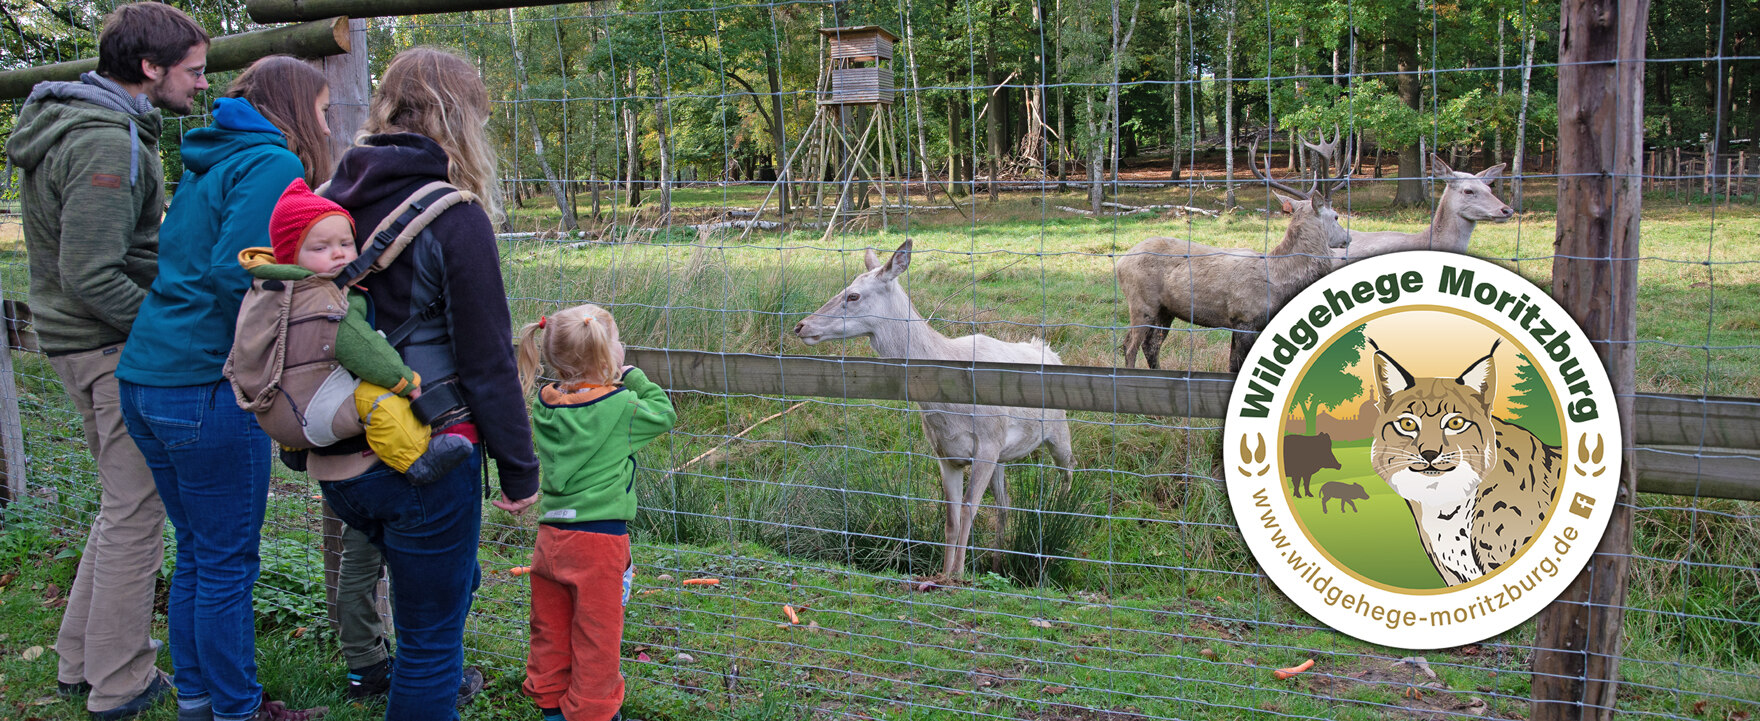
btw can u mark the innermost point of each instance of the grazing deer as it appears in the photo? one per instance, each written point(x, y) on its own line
point(962, 435)
point(1235, 288)
point(1466, 201)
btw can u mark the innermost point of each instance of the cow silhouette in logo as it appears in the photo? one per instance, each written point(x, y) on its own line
point(1303, 456)
point(1345, 493)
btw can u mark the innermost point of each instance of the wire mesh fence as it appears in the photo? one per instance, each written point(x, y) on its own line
point(695, 167)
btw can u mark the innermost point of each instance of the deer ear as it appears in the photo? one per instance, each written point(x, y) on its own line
point(1481, 376)
point(1289, 204)
point(1442, 170)
point(1389, 377)
point(896, 265)
point(871, 259)
point(1492, 174)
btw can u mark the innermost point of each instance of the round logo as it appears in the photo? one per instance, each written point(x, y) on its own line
point(1422, 450)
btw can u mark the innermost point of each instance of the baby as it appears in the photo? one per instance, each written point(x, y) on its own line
point(314, 236)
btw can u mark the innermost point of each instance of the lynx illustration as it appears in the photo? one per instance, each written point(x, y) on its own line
point(1479, 488)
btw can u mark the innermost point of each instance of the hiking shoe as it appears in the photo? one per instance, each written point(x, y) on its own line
point(470, 685)
point(445, 452)
point(278, 711)
point(158, 690)
point(70, 690)
point(374, 680)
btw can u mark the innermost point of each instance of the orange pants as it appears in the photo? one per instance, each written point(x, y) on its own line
point(577, 623)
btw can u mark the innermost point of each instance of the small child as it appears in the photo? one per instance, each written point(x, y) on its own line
point(587, 428)
point(312, 235)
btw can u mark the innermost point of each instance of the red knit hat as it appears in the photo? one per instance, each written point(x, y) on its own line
point(298, 210)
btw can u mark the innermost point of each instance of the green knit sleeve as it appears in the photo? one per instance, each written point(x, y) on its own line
point(653, 414)
point(366, 354)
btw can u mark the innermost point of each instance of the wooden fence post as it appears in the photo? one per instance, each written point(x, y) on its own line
point(350, 79)
point(11, 424)
point(1601, 102)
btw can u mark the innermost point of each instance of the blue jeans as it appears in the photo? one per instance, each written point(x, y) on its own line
point(210, 463)
point(428, 536)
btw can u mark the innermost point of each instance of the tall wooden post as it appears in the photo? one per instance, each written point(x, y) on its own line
point(12, 456)
point(1595, 276)
point(350, 80)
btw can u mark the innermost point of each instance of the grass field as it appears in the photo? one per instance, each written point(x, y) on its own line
point(1130, 595)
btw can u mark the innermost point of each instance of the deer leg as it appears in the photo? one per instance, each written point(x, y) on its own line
point(983, 469)
point(1134, 336)
point(1000, 520)
point(1156, 336)
point(1238, 346)
point(953, 481)
point(1062, 453)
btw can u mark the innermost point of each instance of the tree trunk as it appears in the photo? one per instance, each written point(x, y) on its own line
point(1497, 135)
point(632, 150)
point(1515, 194)
point(560, 193)
point(1228, 111)
point(777, 135)
point(954, 158)
point(993, 116)
point(662, 131)
point(1412, 185)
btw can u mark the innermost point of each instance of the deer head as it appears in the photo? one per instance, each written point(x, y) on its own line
point(1470, 196)
point(1309, 210)
point(871, 300)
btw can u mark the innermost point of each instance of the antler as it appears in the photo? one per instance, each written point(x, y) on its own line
point(1253, 164)
point(1337, 181)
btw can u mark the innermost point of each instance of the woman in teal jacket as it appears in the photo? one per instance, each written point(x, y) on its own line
point(209, 459)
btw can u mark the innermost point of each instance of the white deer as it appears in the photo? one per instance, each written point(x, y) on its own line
point(962, 435)
point(1467, 200)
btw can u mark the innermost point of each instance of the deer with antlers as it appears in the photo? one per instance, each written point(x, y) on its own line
point(1234, 288)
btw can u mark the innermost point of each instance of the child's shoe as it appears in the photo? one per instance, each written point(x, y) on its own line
point(445, 452)
point(374, 680)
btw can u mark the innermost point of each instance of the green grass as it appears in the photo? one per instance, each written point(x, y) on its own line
point(834, 508)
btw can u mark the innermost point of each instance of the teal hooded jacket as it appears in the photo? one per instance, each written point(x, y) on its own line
point(234, 172)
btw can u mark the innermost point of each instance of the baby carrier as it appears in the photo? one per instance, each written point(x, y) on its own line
point(283, 362)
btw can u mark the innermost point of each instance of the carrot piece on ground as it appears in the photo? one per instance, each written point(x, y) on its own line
point(1284, 673)
point(792, 617)
point(702, 582)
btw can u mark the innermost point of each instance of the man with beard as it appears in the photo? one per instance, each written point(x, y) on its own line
point(93, 195)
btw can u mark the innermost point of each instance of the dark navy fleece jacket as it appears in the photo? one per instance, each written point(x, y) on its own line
point(372, 180)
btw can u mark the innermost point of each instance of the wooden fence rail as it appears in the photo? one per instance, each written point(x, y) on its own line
point(1687, 446)
point(314, 39)
point(1703, 447)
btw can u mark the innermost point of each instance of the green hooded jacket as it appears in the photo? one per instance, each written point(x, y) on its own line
point(93, 195)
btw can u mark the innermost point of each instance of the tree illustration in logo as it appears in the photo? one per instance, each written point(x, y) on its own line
point(1329, 382)
point(1531, 405)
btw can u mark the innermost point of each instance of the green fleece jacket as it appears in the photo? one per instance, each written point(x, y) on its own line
point(359, 348)
point(93, 195)
point(587, 438)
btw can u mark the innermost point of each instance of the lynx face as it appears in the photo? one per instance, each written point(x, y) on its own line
point(1434, 441)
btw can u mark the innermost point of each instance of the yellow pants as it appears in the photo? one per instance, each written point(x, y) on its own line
point(392, 429)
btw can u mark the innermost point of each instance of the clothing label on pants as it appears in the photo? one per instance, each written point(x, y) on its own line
point(629, 575)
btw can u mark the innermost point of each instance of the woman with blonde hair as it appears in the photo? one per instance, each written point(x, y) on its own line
point(210, 461)
point(427, 123)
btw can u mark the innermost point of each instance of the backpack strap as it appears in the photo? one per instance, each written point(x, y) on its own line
point(400, 226)
point(403, 331)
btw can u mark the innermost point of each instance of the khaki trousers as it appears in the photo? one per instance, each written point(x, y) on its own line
point(105, 630)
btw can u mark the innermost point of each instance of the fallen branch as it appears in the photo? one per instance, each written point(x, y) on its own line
point(737, 436)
